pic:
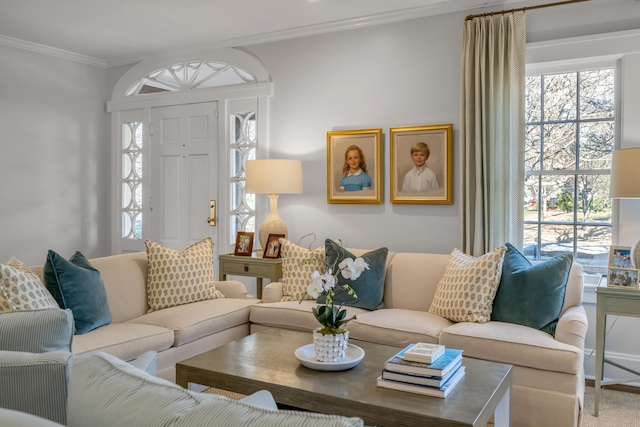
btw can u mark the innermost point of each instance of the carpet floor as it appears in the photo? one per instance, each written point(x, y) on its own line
point(617, 408)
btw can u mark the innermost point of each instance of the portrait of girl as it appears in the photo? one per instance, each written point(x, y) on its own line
point(354, 166)
point(354, 172)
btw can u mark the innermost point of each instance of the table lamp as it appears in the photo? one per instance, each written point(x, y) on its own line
point(625, 184)
point(273, 177)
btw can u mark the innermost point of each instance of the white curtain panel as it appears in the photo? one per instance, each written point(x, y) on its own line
point(492, 137)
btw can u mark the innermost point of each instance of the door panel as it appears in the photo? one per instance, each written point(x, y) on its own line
point(184, 178)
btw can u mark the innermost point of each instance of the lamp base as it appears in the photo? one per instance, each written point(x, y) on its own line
point(272, 224)
point(635, 254)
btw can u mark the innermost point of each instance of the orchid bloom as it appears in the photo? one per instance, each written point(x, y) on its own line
point(352, 269)
point(329, 280)
point(316, 287)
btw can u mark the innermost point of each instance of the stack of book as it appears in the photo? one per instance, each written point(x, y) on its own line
point(422, 368)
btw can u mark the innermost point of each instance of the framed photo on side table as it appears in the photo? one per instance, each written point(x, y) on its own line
point(620, 274)
point(273, 246)
point(244, 243)
point(421, 164)
point(620, 256)
point(623, 278)
point(354, 166)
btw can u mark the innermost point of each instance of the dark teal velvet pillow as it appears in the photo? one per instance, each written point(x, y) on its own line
point(531, 294)
point(76, 285)
point(369, 286)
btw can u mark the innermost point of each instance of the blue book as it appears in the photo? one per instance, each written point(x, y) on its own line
point(439, 368)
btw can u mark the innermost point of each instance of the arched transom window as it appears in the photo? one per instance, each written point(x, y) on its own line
point(190, 75)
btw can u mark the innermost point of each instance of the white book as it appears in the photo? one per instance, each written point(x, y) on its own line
point(442, 392)
point(424, 352)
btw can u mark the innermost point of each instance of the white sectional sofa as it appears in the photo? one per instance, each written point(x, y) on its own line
point(175, 333)
point(548, 387)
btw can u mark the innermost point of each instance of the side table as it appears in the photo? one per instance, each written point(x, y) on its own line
point(253, 266)
point(617, 301)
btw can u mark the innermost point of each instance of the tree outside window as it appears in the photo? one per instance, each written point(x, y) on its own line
point(570, 118)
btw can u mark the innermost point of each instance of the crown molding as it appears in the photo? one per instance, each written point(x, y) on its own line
point(52, 51)
point(440, 8)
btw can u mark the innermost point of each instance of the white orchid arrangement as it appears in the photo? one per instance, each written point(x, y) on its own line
point(330, 316)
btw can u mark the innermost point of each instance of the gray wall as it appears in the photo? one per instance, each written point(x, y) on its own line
point(54, 157)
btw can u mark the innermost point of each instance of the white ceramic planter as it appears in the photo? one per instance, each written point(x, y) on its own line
point(330, 348)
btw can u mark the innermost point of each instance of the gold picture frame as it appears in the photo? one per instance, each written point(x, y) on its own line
point(408, 185)
point(365, 145)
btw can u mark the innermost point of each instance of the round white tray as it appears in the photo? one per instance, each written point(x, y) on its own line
point(307, 357)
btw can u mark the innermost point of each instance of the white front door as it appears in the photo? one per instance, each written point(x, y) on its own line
point(184, 173)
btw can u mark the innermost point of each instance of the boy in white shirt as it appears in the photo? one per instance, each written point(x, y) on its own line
point(420, 178)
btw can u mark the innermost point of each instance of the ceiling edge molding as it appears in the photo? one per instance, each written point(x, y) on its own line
point(51, 51)
point(329, 27)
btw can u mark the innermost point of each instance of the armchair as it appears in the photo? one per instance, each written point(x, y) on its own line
point(35, 362)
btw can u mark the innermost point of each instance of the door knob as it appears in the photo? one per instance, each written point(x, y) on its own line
point(212, 213)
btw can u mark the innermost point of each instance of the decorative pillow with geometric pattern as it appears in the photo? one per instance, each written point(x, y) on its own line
point(22, 289)
point(177, 278)
point(296, 277)
point(466, 291)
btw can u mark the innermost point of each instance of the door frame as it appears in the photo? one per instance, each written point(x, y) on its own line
point(229, 99)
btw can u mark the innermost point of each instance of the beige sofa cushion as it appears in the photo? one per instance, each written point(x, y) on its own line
point(514, 344)
point(124, 274)
point(292, 315)
point(397, 327)
point(466, 291)
point(196, 320)
point(124, 340)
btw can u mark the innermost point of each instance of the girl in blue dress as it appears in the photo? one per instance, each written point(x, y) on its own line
point(354, 172)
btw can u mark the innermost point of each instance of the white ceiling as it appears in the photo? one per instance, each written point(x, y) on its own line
point(119, 31)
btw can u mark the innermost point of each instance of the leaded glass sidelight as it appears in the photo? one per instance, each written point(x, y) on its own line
point(132, 180)
point(243, 143)
point(190, 75)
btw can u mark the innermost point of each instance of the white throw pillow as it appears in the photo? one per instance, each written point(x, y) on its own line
point(22, 289)
point(296, 277)
point(177, 278)
point(466, 291)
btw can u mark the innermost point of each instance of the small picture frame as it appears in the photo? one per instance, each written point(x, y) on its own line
point(273, 246)
point(620, 256)
point(622, 278)
point(362, 181)
point(421, 164)
point(244, 243)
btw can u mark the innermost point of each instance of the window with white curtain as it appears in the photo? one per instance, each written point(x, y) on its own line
point(570, 136)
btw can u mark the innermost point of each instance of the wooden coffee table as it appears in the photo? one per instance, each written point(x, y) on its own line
point(266, 360)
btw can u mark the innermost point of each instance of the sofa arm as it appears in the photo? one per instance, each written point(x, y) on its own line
point(36, 383)
point(572, 327)
point(272, 292)
point(232, 288)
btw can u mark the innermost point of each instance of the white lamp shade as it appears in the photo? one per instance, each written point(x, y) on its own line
point(625, 174)
point(625, 184)
point(274, 176)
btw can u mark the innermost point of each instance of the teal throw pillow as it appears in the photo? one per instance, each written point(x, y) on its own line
point(531, 294)
point(369, 286)
point(76, 285)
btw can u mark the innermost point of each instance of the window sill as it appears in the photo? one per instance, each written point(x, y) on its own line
point(591, 283)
